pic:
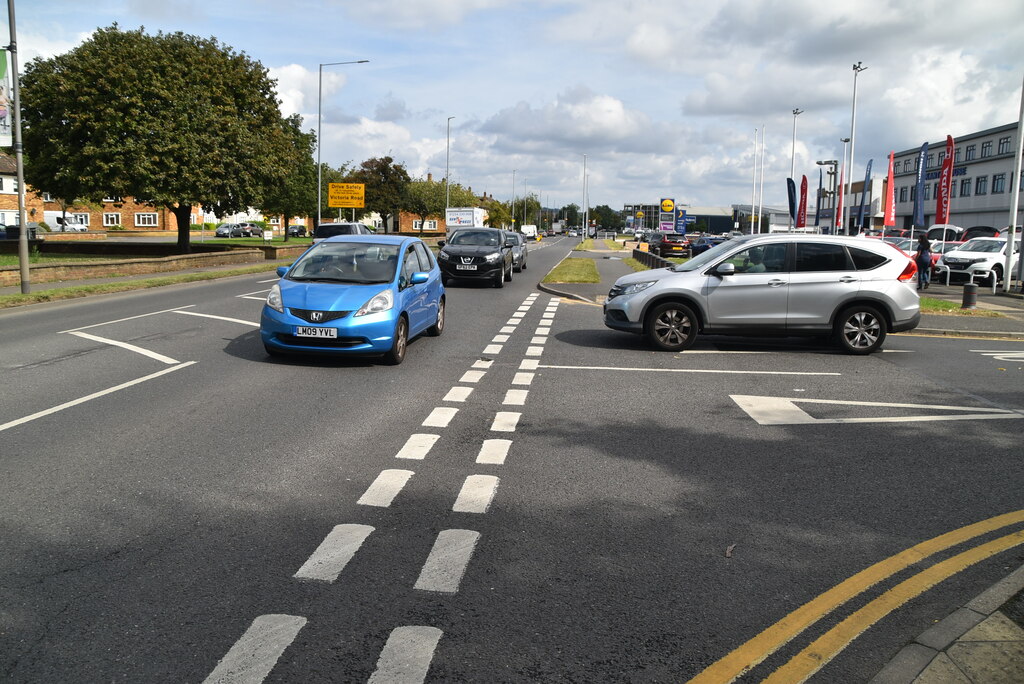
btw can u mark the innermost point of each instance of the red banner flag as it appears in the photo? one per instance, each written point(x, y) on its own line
point(945, 184)
point(801, 214)
point(890, 197)
point(839, 202)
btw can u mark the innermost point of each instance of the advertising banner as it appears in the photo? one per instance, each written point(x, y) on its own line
point(839, 203)
point(821, 197)
point(864, 197)
point(6, 115)
point(791, 192)
point(681, 221)
point(945, 184)
point(667, 215)
point(919, 191)
point(890, 196)
point(801, 214)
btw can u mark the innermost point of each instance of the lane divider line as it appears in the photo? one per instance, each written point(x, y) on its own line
point(447, 561)
point(534, 351)
point(472, 376)
point(406, 656)
point(515, 397)
point(530, 364)
point(505, 421)
point(476, 494)
point(690, 370)
point(254, 655)
point(440, 417)
point(494, 451)
point(130, 347)
point(543, 330)
point(483, 363)
point(492, 349)
point(219, 318)
point(523, 378)
point(417, 446)
point(385, 488)
point(540, 339)
point(129, 318)
point(498, 339)
point(334, 553)
point(508, 329)
point(458, 394)
point(94, 395)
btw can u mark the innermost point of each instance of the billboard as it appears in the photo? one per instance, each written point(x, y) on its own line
point(6, 115)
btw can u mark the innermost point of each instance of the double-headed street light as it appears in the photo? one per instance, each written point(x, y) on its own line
point(319, 144)
point(857, 68)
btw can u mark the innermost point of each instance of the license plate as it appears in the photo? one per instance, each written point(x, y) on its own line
point(465, 267)
point(302, 331)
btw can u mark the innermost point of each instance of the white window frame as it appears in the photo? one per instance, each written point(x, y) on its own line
point(81, 219)
point(47, 197)
point(114, 200)
point(431, 226)
point(274, 220)
point(143, 218)
point(111, 219)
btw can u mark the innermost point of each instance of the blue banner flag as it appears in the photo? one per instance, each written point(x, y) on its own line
point(791, 189)
point(817, 203)
point(863, 197)
point(919, 192)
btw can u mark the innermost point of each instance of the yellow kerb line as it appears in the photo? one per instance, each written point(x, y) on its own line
point(808, 661)
point(753, 652)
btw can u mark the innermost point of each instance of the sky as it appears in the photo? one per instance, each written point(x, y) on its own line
point(661, 98)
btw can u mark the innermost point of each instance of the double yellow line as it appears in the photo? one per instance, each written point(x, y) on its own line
point(811, 659)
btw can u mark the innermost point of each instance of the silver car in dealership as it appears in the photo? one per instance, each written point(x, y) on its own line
point(855, 289)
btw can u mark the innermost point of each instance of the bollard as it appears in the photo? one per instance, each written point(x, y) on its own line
point(970, 296)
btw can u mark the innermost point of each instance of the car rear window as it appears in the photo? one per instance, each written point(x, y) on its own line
point(817, 256)
point(331, 229)
point(866, 260)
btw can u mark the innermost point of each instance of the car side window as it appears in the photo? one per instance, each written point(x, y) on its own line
point(865, 260)
point(409, 266)
point(423, 254)
point(816, 256)
point(760, 259)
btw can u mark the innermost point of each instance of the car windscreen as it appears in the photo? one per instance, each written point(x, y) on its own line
point(479, 238)
point(992, 246)
point(331, 229)
point(347, 262)
point(704, 258)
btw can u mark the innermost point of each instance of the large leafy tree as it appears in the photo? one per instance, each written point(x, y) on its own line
point(572, 215)
point(499, 214)
point(296, 194)
point(427, 197)
point(386, 184)
point(171, 119)
point(607, 217)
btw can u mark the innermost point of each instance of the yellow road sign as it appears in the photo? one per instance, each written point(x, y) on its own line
point(346, 195)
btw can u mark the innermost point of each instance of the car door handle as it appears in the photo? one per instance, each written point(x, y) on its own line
point(848, 279)
point(776, 282)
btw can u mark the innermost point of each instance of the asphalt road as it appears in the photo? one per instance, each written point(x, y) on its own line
point(530, 497)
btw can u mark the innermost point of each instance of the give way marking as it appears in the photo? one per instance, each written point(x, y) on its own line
point(784, 411)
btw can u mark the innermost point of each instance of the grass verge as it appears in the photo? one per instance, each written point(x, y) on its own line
point(584, 246)
point(36, 258)
point(612, 244)
point(941, 306)
point(56, 294)
point(574, 271)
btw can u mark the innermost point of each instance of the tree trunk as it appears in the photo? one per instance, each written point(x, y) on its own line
point(183, 215)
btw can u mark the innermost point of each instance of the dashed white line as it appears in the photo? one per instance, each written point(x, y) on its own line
point(500, 338)
point(540, 339)
point(508, 329)
point(417, 446)
point(515, 397)
point(256, 652)
point(543, 330)
point(483, 363)
point(219, 318)
point(334, 553)
point(447, 561)
point(529, 364)
point(440, 417)
point(691, 370)
point(406, 656)
point(534, 351)
point(523, 378)
point(458, 394)
point(494, 451)
point(505, 421)
point(472, 376)
point(129, 318)
point(476, 494)
point(547, 315)
point(130, 347)
point(492, 349)
point(385, 488)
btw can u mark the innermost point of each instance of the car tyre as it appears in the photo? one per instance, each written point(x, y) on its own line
point(523, 266)
point(508, 275)
point(517, 268)
point(396, 354)
point(438, 327)
point(671, 326)
point(860, 330)
point(499, 281)
point(997, 275)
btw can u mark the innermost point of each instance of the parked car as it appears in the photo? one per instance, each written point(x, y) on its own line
point(667, 244)
point(573, 233)
point(355, 294)
point(326, 230)
point(69, 226)
point(776, 284)
point(979, 231)
point(296, 230)
point(703, 244)
point(250, 229)
point(942, 232)
point(981, 256)
point(519, 250)
point(478, 253)
point(227, 230)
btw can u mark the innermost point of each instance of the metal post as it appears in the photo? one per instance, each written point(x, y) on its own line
point(1014, 205)
point(447, 147)
point(18, 154)
point(792, 156)
point(760, 200)
point(857, 68)
point(842, 188)
point(319, 143)
point(753, 189)
point(513, 208)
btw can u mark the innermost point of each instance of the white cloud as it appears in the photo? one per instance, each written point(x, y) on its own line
point(416, 15)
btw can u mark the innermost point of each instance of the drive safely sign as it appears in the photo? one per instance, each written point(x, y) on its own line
point(346, 195)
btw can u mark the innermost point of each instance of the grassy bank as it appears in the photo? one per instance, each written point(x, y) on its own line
point(574, 271)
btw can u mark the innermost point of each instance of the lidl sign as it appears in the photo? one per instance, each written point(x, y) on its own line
point(668, 205)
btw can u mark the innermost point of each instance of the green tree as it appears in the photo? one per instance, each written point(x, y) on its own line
point(607, 218)
point(173, 119)
point(526, 210)
point(571, 212)
point(425, 197)
point(498, 213)
point(386, 184)
point(296, 194)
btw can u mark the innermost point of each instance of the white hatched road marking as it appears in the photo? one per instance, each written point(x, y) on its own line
point(523, 378)
point(334, 553)
point(472, 376)
point(129, 318)
point(440, 417)
point(94, 395)
point(500, 338)
point(513, 321)
point(130, 347)
point(530, 364)
point(1016, 355)
point(690, 370)
point(784, 411)
point(534, 351)
point(540, 339)
point(547, 315)
point(256, 652)
point(406, 656)
point(508, 329)
point(447, 561)
point(505, 421)
point(483, 363)
point(494, 451)
point(458, 394)
point(515, 397)
point(385, 488)
point(417, 446)
point(219, 318)
point(492, 349)
point(543, 330)
point(476, 494)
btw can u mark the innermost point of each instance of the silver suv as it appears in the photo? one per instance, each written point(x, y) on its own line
point(854, 288)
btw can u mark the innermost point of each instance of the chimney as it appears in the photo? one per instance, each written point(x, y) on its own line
point(430, 177)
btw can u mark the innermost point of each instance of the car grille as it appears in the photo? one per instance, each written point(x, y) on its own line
point(326, 342)
point(325, 316)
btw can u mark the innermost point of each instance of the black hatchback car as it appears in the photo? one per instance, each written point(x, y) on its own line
point(477, 253)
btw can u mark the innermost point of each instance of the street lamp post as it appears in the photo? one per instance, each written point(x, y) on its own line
point(447, 147)
point(843, 184)
point(792, 156)
point(857, 68)
point(513, 208)
point(760, 192)
point(319, 143)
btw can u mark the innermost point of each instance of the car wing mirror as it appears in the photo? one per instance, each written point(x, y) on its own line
point(281, 270)
point(419, 277)
point(510, 243)
point(726, 268)
point(440, 243)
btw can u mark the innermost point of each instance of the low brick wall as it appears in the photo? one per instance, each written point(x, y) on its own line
point(50, 273)
point(72, 237)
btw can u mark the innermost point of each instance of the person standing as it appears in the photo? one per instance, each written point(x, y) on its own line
point(923, 259)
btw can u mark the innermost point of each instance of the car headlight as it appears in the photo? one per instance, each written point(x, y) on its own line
point(443, 255)
point(382, 301)
point(633, 288)
point(274, 299)
point(493, 257)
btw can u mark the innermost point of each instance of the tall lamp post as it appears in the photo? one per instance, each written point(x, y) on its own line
point(792, 156)
point(843, 184)
point(319, 143)
point(857, 68)
point(447, 147)
point(513, 208)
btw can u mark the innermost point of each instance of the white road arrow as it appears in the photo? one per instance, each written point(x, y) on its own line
point(784, 411)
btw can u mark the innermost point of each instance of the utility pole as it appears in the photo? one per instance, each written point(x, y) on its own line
point(26, 286)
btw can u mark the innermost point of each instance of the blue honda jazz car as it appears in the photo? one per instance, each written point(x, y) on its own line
point(355, 294)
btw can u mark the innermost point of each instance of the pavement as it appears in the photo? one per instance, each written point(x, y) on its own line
point(980, 643)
